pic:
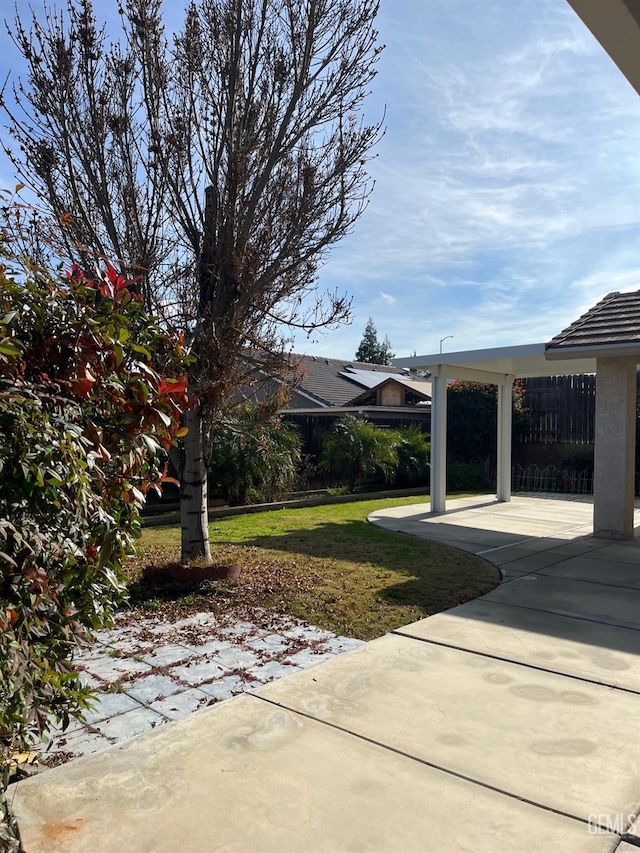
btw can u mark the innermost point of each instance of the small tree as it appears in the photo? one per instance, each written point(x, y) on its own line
point(386, 353)
point(223, 165)
point(87, 415)
point(371, 351)
point(356, 449)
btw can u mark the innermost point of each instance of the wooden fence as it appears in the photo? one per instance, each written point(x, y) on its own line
point(562, 408)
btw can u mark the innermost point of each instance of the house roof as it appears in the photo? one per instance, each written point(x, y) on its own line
point(611, 327)
point(334, 382)
point(416, 384)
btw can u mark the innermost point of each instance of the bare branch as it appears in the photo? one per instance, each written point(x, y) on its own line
point(222, 165)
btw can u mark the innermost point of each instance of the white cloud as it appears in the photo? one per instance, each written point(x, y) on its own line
point(507, 195)
point(507, 187)
point(387, 298)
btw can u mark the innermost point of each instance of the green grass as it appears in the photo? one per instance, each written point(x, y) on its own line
point(323, 564)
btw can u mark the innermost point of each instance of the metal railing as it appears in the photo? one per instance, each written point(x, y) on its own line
point(551, 479)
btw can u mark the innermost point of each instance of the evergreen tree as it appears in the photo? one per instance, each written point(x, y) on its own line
point(386, 355)
point(369, 346)
point(371, 351)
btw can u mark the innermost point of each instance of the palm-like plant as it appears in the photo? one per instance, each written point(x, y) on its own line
point(356, 449)
point(414, 450)
point(254, 456)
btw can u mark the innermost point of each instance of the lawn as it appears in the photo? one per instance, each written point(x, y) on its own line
point(324, 564)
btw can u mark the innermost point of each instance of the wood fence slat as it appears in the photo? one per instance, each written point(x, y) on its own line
point(562, 409)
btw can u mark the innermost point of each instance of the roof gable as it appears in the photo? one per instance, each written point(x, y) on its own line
point(418, 387)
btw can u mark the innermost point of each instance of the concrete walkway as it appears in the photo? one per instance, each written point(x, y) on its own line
point(506, 724)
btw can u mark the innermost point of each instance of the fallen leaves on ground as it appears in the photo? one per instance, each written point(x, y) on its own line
point(267, 584)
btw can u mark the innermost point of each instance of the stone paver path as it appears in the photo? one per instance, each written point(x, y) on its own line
point(150, 671)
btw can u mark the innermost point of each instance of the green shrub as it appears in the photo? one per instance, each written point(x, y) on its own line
point(465, 476)
point(582, 461)
point(472, 409)
point(91, 392)
point(356, 450)
point(255, 457)
point(414, 449)
point(338, 491)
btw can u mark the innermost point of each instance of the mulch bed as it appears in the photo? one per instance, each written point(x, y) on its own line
point(262, 589)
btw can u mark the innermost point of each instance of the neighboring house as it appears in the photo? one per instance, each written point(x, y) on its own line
point(329, 388)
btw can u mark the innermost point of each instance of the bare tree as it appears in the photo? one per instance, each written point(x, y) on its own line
point(221, 165)
point(80, 140)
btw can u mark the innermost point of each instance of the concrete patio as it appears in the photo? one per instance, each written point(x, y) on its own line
point(508, 723)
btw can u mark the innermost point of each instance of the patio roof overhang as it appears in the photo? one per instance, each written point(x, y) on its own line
point(499, 366)
point(523, 362)
point(616, 25)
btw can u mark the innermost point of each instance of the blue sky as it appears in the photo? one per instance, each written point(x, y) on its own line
point(507, 197)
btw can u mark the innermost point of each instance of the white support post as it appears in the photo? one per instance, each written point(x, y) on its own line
point(438, 439)
point(505, 418)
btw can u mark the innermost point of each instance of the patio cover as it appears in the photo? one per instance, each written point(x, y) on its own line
point(499, 366)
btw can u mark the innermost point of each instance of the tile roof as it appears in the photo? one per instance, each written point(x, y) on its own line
point(613, 321)
point(324, 379)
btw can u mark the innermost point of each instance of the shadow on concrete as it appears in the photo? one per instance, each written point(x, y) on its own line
point(570, 602)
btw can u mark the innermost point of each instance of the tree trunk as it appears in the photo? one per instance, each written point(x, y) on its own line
point(193, 492)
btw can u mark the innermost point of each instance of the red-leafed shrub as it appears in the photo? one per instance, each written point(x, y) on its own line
point(91, 393)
